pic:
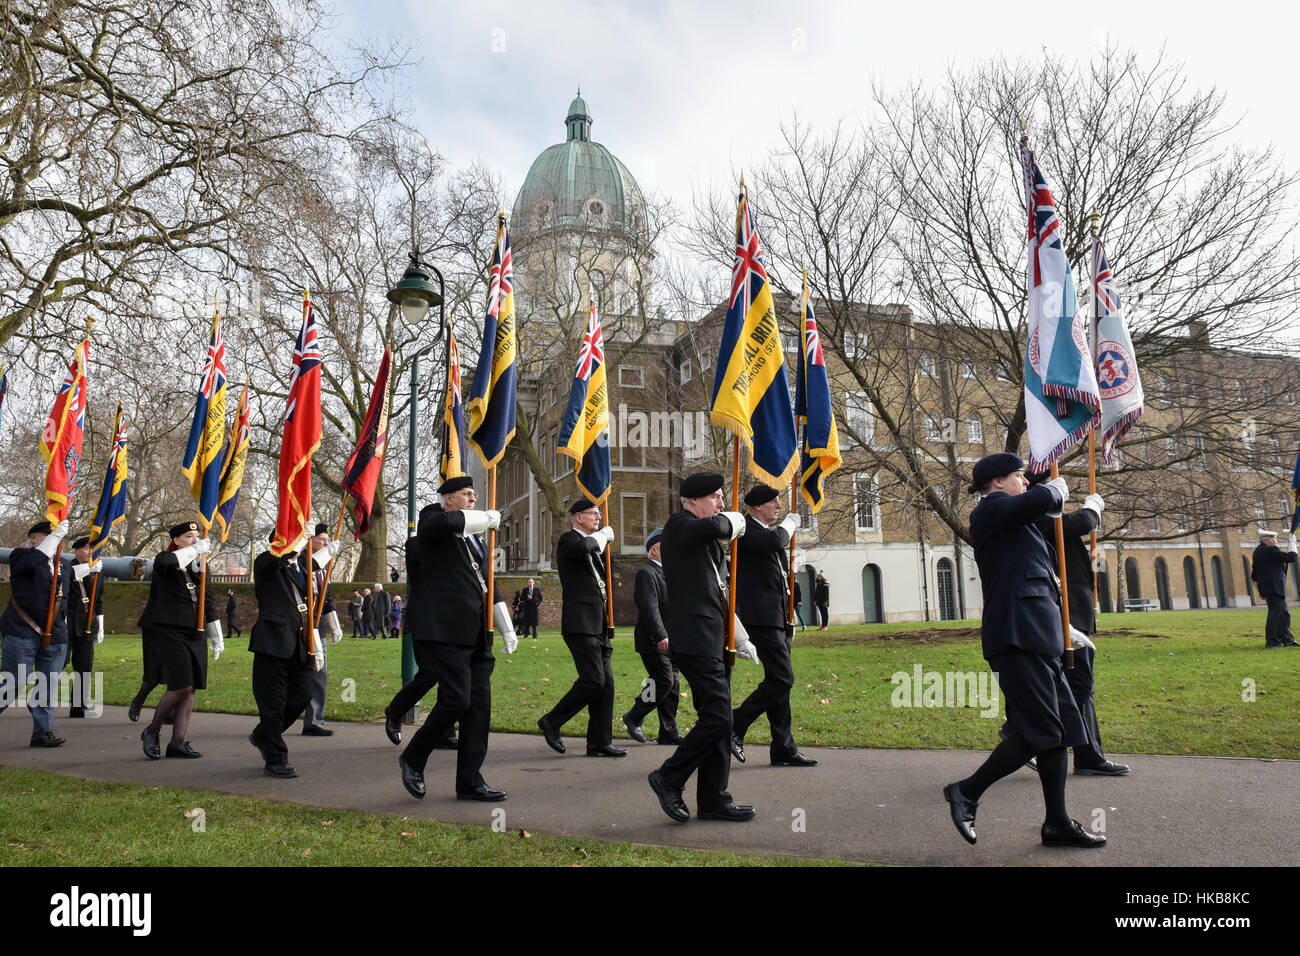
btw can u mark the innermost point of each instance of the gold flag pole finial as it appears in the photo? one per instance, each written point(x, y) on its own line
point(90, 325)
point(1096, 219)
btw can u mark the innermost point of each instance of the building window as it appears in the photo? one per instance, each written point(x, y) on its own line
point(866, 503)
point(632, 523)
point(927, 364)
point(858, 417)
point(968, 369)
point(631, 376)
point(855, 343)
point(975, 431)
point(1001, 374)
point(933, 429)
point(686, 371)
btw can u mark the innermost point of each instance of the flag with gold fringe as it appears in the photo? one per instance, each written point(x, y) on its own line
point(302, 436)
point(820, 450)
point(492, 397)
point(61, 438)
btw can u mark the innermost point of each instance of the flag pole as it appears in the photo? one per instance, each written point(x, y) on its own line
point(1065, 593)
point(490, 557)
point(329, 568)
point(731, 574)
point(609, 574)
point(1092, 432)
point(789, 617)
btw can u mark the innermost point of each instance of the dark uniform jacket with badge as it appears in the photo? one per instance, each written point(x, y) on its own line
point(79, 605)
point(651, 608)
point(1078, 565)
point(174, 597)
point(280, 588)
point(31, 573)
point(1268, 569)
point(450, 580)
point(582, 583)
point(761, 590)
point(1017, 572)
point(694, 564)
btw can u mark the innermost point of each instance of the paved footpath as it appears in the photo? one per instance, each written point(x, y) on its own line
point(859, 804)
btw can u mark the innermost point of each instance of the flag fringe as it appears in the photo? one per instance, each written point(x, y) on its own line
point(1110, 439)
point(738, 428)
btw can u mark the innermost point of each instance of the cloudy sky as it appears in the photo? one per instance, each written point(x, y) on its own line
point(685, 93)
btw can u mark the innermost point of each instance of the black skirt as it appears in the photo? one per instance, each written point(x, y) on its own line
point(1040, 707)
point(153, 674)
point(182, 658)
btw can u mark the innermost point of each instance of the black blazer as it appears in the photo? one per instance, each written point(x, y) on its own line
point(446, 578)
point(79, 604)
point(582, 584)
point(174, 596)
point(761, 588)
point(694, 560)
point(651, 608)
point(1078, 566)
point(31, 574)
point(278, 628)
point(1267, 569)
point(1017, 572)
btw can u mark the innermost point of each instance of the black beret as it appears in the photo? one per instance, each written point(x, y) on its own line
point(998, 465)
point(455, 484)
point(701, 484)
point(41, 527)
point(178, 530)
point(654, 536)
point(321, 529)
point(582, 504)
point(80, 542)
point(760, 495)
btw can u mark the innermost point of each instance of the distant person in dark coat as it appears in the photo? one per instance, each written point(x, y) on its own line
point(822, 598)
point(530, 601)
point(231, 606)
point(85, 624)
point(1268, 570)
point(798, 605)
point(1021, 635)
point(651, 636)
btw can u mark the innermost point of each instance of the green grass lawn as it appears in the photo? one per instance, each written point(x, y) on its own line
point(1167, 682)
point(122, 824)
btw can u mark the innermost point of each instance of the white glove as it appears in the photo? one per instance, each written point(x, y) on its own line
point(502, 622)
point(790, 523)
point(97, 566)
point(744, 646)
point(79, 571)
point(1080, 639)
point(608, 534)
point(297, 545)
point(332, 626)
point(203, 545)
point(325, 554)
point(1063, 491)
point(318, 659)
point(51, 542)
point(737, 523)
point(215, 640)
point(99, 629)
point(1095, 502)
point(494, 519)
point(1290, 545)
point(185, 555)
point(476, 522)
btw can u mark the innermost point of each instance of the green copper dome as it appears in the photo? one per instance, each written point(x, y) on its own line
point(578, 183)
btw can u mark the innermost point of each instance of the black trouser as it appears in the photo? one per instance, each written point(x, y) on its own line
point(823, 615)
point(1277, 629)
point(707, 748)
point(424, 680)
point(772, 695)
point(1080, 679)
point(663, 694)
point(81, 655)
point(281, 688)
point(230, 625)
point(594, 688)
point(464, 694)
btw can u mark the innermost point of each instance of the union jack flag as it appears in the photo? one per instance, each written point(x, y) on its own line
point(306, 355)
point(748, 274)
point(593, 345)
point(302, 436)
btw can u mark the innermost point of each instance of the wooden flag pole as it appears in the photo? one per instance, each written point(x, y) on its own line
point(203, 578)
point(54, 585)
point(94, 586)
point(1092, 433)
point(329, 568)
point(789, 617)
point(609, 574)
point(490, 557)
point(1065, 594)
point(731, 574)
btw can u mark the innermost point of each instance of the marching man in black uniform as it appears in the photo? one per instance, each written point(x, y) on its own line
point(578, 558)
point(1021, 633)
point(322, 549)
point(81, 637)
point(1268, 569)
point(284, 673)
point(695, 570)
point(451, 621)
point(652, 644)
point(762, 596)
point(31, 572)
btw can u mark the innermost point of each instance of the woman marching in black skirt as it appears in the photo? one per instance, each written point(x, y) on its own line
point(180, 654)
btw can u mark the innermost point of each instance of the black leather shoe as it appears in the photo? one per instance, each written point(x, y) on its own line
point(737, 748)
point(317, 732)
point(669, 799)
point(1107, 769)
point(634, 729)
point(393, 727)
point(280, 770)
point(253, 740)
point(76, 712)
point(450, 742)
point(795, 759)
point(482, 792)
point(606, 751)
point(736, 813)
point(184, 750)
point(963, 811)
point(1072, 835)
point(47, 738)
point(673, 739)
point(412, 779)
point(552, 738)
point(151, 749)
point(133, 712)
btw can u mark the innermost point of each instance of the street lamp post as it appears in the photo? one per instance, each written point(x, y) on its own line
point(413, 295)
